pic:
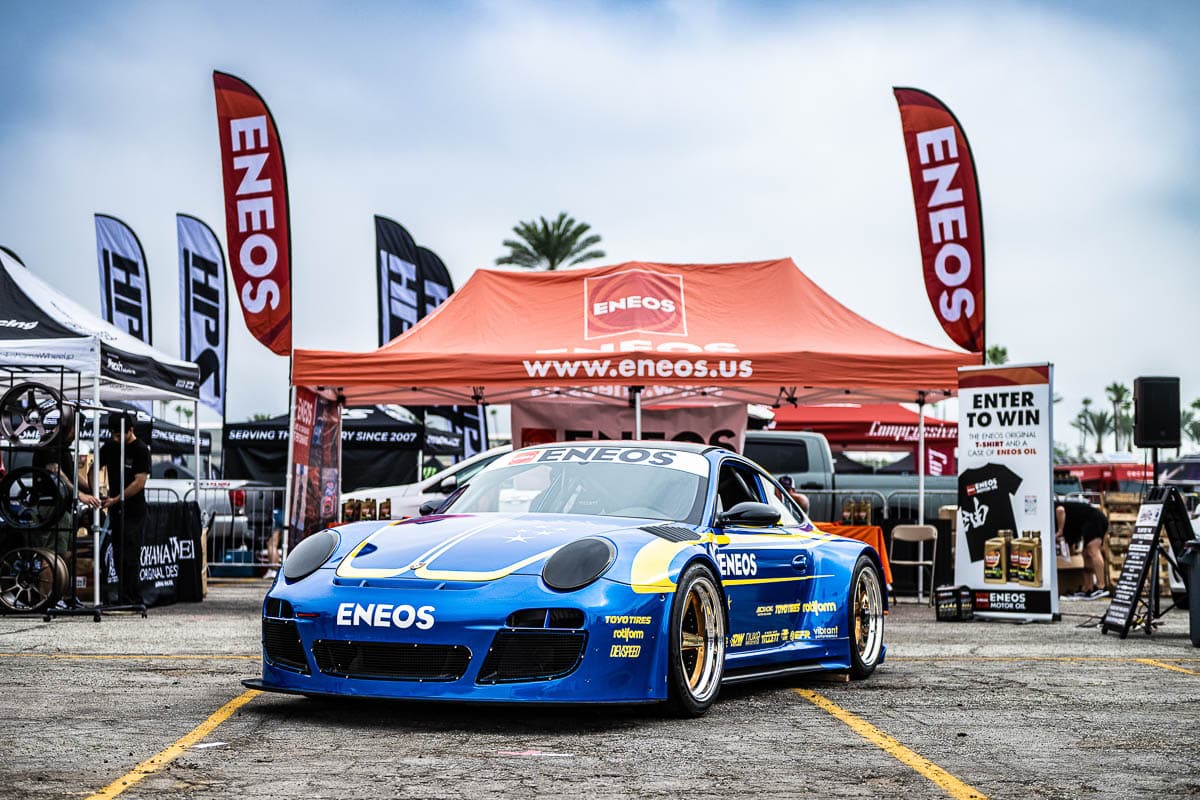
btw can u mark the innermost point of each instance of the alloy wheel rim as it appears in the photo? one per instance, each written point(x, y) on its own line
point(868, 616)
point(702, 640)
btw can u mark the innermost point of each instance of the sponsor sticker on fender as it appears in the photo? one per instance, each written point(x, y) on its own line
point(634, 301)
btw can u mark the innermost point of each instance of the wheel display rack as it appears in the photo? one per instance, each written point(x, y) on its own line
point(39, 405)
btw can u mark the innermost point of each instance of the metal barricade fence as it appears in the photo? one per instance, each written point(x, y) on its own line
point(160, 495)
point(902, 504)
point(243, 532)
point(826, 505)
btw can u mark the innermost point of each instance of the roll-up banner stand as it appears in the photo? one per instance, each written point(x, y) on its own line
point(1005, 532)
point(314, 479)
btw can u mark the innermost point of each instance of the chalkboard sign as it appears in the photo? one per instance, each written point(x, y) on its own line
point(1162, 509)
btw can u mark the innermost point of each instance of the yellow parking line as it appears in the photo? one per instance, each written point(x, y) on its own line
point(1163, 665)
point(132, 656)
point(164, 757)
point(947, 782)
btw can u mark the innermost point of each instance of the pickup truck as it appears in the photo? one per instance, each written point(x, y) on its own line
point(805, 457)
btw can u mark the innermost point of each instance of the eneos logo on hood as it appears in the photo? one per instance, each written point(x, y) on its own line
point(634, 301)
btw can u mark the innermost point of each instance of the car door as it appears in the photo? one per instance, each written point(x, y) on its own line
point(763, 568)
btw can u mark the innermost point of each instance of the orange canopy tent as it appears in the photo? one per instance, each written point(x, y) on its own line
point(759, 332)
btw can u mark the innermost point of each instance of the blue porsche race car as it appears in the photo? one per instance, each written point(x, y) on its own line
point(599, 572)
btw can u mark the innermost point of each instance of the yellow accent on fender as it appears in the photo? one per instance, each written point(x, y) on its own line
point(650, 572)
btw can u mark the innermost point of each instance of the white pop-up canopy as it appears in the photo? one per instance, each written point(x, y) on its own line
point(40, 328)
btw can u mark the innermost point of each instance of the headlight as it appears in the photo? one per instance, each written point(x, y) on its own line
point(579, 563)
point(309, 555)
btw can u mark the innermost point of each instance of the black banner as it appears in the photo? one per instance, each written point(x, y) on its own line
point(436, 284)
point(169, 557)
point(399, 298)
point(124, 278)
point(203, 307)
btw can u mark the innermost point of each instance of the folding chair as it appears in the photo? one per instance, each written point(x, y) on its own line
point(919, 534)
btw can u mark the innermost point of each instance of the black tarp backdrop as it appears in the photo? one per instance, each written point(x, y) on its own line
point(164, 438)
point(377, 449)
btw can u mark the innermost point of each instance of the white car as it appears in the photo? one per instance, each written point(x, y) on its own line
point(406, 500)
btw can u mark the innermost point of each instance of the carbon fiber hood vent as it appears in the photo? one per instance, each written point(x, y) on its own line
point(672, 533)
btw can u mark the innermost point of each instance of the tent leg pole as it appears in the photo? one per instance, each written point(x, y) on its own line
point(483, 432)
point(637, 412)
point(196, 447)
point(920, 490)
point(96, 551)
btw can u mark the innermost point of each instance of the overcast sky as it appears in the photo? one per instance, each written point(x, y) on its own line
point(682, 131)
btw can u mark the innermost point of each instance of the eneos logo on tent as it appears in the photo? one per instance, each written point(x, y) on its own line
point(634, 301)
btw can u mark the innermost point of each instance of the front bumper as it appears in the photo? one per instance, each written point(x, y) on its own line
point(622, 658)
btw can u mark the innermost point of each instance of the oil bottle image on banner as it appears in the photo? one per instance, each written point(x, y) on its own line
point(1013, 560)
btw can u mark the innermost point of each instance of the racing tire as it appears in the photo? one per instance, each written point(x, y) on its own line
point(865, 610)
point(697, 643)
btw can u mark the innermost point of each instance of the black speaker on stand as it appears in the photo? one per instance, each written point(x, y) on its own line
point(1156, 415)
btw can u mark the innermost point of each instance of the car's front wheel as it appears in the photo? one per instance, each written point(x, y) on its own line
point(866, 618)
point(697, 642)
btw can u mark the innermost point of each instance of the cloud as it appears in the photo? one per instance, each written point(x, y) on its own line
point(682, 132)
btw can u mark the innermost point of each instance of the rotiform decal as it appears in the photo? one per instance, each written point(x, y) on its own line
point(386, 615)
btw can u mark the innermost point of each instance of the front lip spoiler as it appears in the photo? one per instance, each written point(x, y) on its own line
point(257, 683)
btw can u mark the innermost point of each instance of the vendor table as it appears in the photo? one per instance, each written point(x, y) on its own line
point(871, 534)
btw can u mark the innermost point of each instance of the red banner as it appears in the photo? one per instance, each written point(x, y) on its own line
point(949, 220)
point(256, 212)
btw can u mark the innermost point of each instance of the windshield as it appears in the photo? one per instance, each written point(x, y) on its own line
point(662, 484)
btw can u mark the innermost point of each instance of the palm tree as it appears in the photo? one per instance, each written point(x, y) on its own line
point(550, 245)
point(1125, 423)
point(1117, 394)
point(1187, 420)
point(996, 354)
point(1100, 422)
point(1082, 423)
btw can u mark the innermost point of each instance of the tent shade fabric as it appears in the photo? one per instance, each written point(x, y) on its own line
point(698, 333)
point(40, 327)
point(866, 426)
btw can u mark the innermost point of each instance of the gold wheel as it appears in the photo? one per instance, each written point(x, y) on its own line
point(867, 617)
point(702, 639)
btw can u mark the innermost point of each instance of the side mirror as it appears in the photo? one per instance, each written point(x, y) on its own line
point(448, 485)
point(429, 506)
point(750, 514)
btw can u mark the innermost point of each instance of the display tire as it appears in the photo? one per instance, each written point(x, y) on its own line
point(27, 579)
point(32, 498)
point(697, 642)
point(864, 608)
point(32, 407)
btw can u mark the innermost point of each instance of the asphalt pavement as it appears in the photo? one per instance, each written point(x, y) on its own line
point(136, 707)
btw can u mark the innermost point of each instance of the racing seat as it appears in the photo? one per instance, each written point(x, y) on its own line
point(919, 535)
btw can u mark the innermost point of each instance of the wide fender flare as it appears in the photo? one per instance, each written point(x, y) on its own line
point(694, 555)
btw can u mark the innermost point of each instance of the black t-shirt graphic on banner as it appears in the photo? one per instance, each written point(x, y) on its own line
point(985, 504)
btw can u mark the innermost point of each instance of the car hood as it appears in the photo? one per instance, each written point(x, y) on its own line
point(475, 547)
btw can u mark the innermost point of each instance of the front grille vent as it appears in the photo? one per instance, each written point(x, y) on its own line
point(281, 644)
point(546, 618)
point(279, 608)
point(672, 533)
point(391, 661)
point(532, 656)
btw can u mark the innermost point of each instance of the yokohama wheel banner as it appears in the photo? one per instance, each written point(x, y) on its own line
point(256, 211)
point(204, 307)
point(949, 219)
point(124, 281)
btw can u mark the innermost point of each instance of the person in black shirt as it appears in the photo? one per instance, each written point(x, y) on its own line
point(1077, 521)
point(126, 505)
